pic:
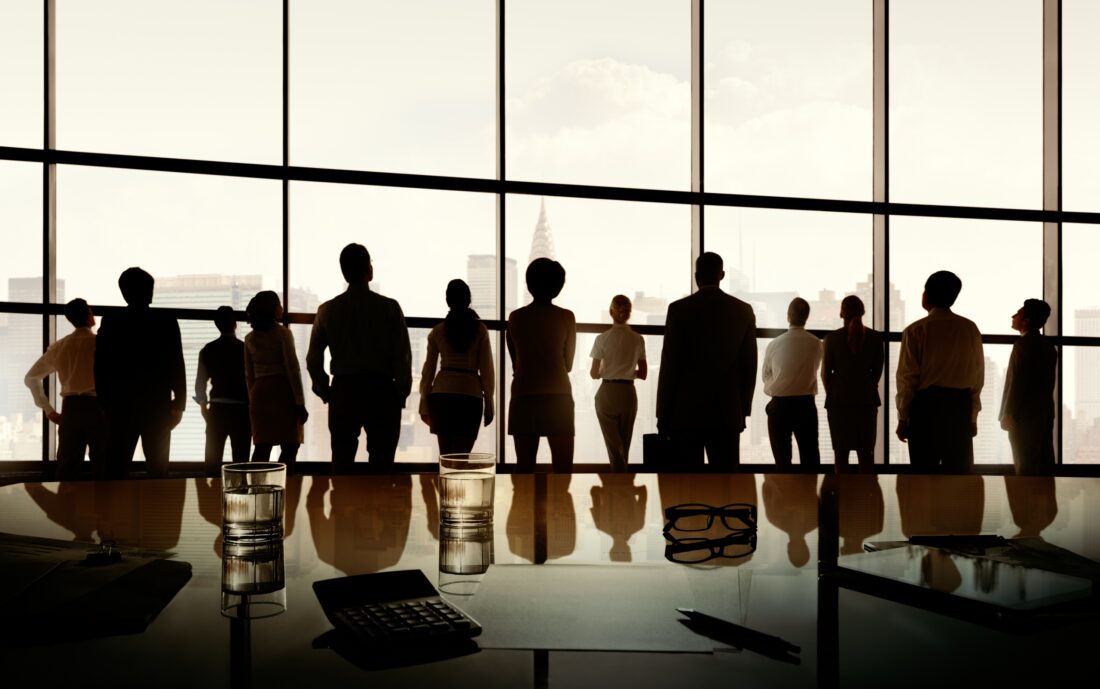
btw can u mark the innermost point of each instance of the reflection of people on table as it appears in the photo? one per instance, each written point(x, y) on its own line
point(618, 509)
point(367, 523)
point(1033, 503)
point(541, 532)
point(716, 490)
point(790, 504)
point(143, 514)
point(940, 505)
point(429, 492)
point(859, 501)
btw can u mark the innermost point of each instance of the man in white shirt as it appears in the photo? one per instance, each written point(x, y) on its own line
point(81, 425)
point(941, 370)
point(790, 369)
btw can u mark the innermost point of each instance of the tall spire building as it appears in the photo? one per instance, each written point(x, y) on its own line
point(542, 243)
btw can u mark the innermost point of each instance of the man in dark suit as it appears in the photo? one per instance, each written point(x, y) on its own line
point(1027, 407)
point(708, 371)
point(139, 377)
point(221, 364)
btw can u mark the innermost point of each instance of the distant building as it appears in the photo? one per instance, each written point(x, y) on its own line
point(482, 275)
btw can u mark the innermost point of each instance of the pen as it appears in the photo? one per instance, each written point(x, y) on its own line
point(744, 633)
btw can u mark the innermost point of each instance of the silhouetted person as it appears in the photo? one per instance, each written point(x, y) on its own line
point(542, 339)
point(454, 401)
point(371, 364)
point(941, 371)
point(790, 379)
point(618, 358)
point(139, 377)
point(1027, 406)
point(708, 370)
point(81, 426)
point(850, 372)
point(276, 401)
point(225, 409)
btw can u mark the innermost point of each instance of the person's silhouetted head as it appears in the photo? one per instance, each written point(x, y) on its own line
point(798, 312)
point(79, 313)
point(1033, 314)
point(225, 319)
point(941, 289)
point(851, 312)
point(263, 310)
point(545, 279)
point(458, 294)
point(460, 327)
point(355, 264)
point(136, 286)
point(709, 269)
point(620, 309)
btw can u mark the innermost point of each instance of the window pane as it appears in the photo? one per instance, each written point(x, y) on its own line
point(1080, 281)
point(966, 102)
point(21, 73)
point(417, 444)
point(20, 420)
point(418, 241)
point(764, 268)
point(21, 223)
point(991, 444)
point(202, 237)
point(600, 93)
point(1000, 265)
point(1081, 395)
point(1080, 105)
point(642, 250)
point(400, 87)
point(788, 98)
point(201, 79)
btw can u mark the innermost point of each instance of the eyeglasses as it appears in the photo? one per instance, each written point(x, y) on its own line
point(736, 516)
point(694, 550)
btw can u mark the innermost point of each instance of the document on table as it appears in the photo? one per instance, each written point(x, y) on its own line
point(585, 607)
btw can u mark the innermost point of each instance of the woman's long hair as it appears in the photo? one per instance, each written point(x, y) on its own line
point(261, 310)
point(460, 327)
point(852, 310)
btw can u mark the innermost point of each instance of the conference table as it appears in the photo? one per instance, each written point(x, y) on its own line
point(584, 584)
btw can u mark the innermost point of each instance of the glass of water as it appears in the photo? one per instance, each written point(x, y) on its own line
point(253, 580)
point(252, 501)
point(466, 485)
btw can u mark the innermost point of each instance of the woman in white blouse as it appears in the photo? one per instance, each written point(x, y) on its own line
point(454, 401)
point(618, 358)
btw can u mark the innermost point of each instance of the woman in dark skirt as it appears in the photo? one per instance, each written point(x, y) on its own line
point(275, 399)
point(454, 401)
point(850, 370)
point(542, 339)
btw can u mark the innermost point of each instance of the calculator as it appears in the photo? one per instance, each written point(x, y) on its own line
point(399, 609)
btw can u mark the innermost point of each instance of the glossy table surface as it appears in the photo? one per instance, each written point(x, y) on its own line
point(358, 524)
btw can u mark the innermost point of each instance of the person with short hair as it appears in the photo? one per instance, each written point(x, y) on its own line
point(276, 402)
point(140, 377)
point(454, 401)
point(789, 374)
point(941, 371)
point(618, 359)
point(708, 371)
point(225, 410)
point(81, 425)
point(371, 365)
point(542, 340)
point(850, 371)
point(1027, 406)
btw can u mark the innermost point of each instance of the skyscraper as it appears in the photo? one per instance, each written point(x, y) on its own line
point(481, 276)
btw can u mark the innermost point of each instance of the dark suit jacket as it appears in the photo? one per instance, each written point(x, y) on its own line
point(708, 363)
point(139, 360)
point(1029, 382)
point(851, 378)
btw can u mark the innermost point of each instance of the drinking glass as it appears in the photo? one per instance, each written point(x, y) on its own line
point(466, 485)
point(252, 502)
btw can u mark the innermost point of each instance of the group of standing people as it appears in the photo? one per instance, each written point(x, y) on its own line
point(126, 383)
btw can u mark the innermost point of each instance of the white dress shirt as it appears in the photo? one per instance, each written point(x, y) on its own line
point(790, 364)
point(73, 359)
point(619, 350)
point(942, 349)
